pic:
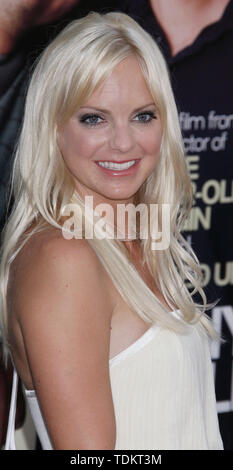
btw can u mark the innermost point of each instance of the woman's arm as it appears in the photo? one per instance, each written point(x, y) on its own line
point(65, 315)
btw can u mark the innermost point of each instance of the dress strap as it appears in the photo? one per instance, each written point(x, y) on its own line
point(10, 435)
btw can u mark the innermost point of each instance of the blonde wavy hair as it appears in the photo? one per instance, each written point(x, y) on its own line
point(78, 60)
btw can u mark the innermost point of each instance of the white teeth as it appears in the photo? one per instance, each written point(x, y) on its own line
point(117, 166)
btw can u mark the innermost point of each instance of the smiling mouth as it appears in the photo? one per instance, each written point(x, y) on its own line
point(117, 166)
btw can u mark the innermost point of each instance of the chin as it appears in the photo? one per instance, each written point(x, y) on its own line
point(120, 194)
point(121, 197)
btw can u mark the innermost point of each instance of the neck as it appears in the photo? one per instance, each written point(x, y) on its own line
point(113, 212)
point(183, 20)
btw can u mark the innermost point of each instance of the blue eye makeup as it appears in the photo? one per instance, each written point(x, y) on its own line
point(146, 117)
point(93, 119)
point(90, 119)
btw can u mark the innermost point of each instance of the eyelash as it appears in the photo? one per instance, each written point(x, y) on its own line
point(83, 119)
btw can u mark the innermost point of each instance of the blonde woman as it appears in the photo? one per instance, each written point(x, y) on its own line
point(111, 348)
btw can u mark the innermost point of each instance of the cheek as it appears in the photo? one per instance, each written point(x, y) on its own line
point(152, 143)
point(88, 144)
point(81, 144)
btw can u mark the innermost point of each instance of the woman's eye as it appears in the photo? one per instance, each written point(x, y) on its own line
point(146, 116)
point(91, 119)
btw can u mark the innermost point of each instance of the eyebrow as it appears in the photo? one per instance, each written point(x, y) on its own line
point(101, 110)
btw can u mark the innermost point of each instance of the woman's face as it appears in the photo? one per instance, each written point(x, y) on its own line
point(112, 143)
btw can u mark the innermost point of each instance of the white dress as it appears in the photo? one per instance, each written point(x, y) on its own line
point(163, 394)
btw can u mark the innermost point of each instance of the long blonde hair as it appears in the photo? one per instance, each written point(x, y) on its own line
point(69, 70)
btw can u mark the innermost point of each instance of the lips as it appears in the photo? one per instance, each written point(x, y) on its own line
point(116, 168)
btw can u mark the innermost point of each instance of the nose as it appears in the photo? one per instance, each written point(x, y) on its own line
point(122, 138)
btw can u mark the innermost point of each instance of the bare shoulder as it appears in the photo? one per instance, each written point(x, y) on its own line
point(49, 247)
point(60, 299)
point(49, 262)
point(58, 285)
